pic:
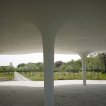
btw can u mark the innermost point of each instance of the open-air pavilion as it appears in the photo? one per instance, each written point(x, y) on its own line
point(60, 26)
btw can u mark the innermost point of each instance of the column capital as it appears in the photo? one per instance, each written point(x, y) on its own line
point(83, 55)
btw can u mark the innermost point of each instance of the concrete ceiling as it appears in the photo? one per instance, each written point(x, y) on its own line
point(79, 25)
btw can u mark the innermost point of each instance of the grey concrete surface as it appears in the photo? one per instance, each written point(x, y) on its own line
point(56, 83)
point(68, 95)
point(65, 95)
point(76, 25)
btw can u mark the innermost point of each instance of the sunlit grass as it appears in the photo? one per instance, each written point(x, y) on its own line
point(39, 76)
point(6, 77)
point(66, 76)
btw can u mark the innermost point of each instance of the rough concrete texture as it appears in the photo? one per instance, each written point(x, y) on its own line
point(65, 95)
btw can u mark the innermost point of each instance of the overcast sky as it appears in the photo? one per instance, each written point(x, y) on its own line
point(35, 57)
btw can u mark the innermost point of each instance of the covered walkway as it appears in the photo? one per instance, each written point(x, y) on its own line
point(57, 26)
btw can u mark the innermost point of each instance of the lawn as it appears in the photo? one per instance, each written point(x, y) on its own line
point(39, 76)
point(6, 77)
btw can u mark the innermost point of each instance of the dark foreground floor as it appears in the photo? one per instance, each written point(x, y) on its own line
point(68, 95)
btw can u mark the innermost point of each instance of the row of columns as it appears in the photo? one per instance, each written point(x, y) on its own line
point(48, 54)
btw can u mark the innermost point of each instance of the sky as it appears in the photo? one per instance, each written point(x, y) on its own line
point(35, 57)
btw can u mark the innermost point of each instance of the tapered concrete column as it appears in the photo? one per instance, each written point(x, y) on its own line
point(83, 58)
point(48, 54)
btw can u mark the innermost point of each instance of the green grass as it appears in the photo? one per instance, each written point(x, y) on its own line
point(35, 77)
point(66, 76)
point(6, 77)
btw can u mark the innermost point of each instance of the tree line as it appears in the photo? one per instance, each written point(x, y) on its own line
point(95, 63)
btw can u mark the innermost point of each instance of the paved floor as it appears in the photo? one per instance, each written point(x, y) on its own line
point(66, 93)
point(56, 83)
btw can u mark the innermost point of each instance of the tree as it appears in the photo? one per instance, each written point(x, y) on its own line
point(21, 65)
point(58, 64)
point(102, 57)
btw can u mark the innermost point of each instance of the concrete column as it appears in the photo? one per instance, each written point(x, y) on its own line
point(83, 58)
point(48, 54)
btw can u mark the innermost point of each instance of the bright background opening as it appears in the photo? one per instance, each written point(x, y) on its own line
point(34, 57)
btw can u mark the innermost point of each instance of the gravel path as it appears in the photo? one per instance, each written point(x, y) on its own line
point(19, 77)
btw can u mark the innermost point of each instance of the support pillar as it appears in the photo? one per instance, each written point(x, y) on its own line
point(83, 58)
point(48, 56)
